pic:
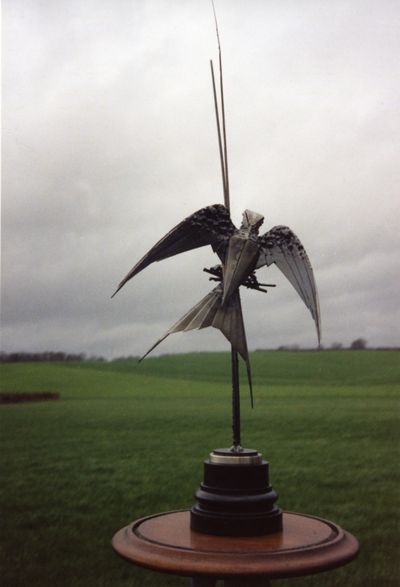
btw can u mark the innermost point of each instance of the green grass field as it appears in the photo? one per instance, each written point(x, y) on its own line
point(128, 440)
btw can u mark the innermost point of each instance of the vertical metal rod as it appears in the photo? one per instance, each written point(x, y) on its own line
point(203, 582)
point(235, 400)
point(247, 582)
point(225, 180)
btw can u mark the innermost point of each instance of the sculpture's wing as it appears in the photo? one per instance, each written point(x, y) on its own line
point(281, 246)
point(211, 225)
point(210, 312)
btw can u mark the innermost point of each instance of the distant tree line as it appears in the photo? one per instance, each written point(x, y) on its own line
point(58, 356)
point(357, 344)
point(23, 357)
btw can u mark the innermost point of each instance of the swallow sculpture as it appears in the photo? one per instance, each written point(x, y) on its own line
point(241, 252)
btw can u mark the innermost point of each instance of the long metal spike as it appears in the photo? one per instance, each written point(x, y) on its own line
point(221, 155)
point(224, 131)
point(221, 85)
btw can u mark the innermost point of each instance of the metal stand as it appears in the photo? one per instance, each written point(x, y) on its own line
point(235, 497)
point(236, 440)
point(212, 582)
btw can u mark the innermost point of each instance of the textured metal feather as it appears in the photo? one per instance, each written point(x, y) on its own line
point(281, 246)
point(211, 225)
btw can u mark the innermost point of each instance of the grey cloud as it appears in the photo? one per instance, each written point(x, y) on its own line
point(109, 141)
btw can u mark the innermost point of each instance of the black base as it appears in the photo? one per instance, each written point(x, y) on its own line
point(236, 499)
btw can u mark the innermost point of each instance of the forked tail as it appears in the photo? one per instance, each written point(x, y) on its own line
point(228, 319)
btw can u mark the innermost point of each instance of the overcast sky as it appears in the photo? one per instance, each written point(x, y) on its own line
point(109, 140)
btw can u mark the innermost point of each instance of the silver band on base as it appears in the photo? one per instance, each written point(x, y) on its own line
point(243, 456)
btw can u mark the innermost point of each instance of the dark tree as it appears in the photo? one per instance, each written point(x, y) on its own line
point(359, 344)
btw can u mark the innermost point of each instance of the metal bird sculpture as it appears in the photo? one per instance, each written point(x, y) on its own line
point(241, 252)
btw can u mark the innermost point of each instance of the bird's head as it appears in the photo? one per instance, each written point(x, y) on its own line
point(252, 221)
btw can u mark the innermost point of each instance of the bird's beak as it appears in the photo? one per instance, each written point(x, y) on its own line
point(240, 262)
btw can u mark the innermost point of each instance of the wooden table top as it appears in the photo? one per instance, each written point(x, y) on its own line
point(165, 543)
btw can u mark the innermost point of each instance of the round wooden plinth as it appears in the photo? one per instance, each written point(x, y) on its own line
point(165, 543)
